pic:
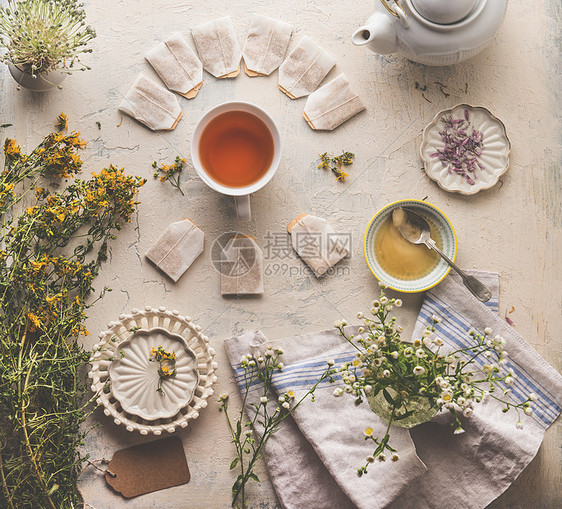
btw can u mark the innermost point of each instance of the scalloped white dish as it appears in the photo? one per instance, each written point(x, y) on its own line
point(494, 157)
point(135, 379)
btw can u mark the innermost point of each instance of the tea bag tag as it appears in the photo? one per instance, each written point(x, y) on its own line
point(148, 467)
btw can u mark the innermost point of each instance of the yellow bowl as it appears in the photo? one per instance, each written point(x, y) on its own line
point(441, 224)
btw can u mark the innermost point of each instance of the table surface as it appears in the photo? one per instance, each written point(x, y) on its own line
point(515, 228)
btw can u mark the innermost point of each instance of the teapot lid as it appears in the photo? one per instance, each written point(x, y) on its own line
point(444, 12)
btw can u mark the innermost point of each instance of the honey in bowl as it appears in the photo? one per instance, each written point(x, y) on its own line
point(400, 258)
point(236, 148)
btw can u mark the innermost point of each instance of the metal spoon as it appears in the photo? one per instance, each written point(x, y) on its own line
point(415, 229)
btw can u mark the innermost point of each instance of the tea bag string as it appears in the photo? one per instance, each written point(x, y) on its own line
point(222, 51)
point(177, 242)
point(266, 48)
point(104, 461)
point(335, 108)
point(187, 71)
point(306, 72)
point(144, 119)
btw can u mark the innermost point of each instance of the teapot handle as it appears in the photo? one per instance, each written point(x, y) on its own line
point(399, 12)
point(402, 15)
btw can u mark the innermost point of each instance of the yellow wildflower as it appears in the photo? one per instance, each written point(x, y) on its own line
point(62, 122)
point(341, 176)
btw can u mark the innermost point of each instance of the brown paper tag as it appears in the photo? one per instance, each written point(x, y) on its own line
point(176, 122)
point(286, 92)
point(148, 467)
point(251, 73)
point(308, 120)
point(295, 221)
point(232, 74)
point(190, 94)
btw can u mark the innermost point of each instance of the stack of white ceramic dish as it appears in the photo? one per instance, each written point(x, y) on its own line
point(125, 374)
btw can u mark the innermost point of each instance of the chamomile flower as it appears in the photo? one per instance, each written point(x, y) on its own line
point(419, 370)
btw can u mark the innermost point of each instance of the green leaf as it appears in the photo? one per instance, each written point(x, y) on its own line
point(5, 125)
point(234, 463)
point(388, 397)
point(254, 477)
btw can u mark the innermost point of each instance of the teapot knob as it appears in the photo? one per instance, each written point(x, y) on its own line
point(445, 12)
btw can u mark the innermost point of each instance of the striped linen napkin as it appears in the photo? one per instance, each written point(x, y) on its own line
point(312, 459)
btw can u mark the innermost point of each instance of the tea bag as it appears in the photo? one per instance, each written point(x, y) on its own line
point(332, 104)
point(241, 267)
point(304, 69)
point(177, 248)
point(218, 47)
point(177, 65)
point(265, 46)
point(151, 104)
point(317, 243)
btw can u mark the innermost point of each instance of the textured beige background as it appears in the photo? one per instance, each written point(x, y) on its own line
point(514, 228)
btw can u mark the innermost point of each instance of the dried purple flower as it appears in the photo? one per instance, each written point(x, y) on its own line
point(462, 150)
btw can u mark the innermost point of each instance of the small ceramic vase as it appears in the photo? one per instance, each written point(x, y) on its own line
point(43, 82)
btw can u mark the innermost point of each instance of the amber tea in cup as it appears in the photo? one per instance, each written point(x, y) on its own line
point(236, 148)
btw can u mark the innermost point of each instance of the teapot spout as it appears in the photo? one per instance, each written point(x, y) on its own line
point(378, 34)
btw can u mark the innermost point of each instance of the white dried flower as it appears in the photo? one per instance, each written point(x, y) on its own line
point(487, 331)
point(263, 400)
point(286, 405)
point(528, 411)
point(419, 370)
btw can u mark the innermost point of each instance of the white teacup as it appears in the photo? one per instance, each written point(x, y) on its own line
point(240, 193)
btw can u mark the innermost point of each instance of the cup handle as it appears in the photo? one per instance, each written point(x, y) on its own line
point(243, 210)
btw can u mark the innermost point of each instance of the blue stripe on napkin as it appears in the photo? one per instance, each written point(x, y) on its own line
point(453, 330)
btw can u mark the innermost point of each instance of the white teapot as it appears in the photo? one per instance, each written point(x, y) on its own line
point(431, 32)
